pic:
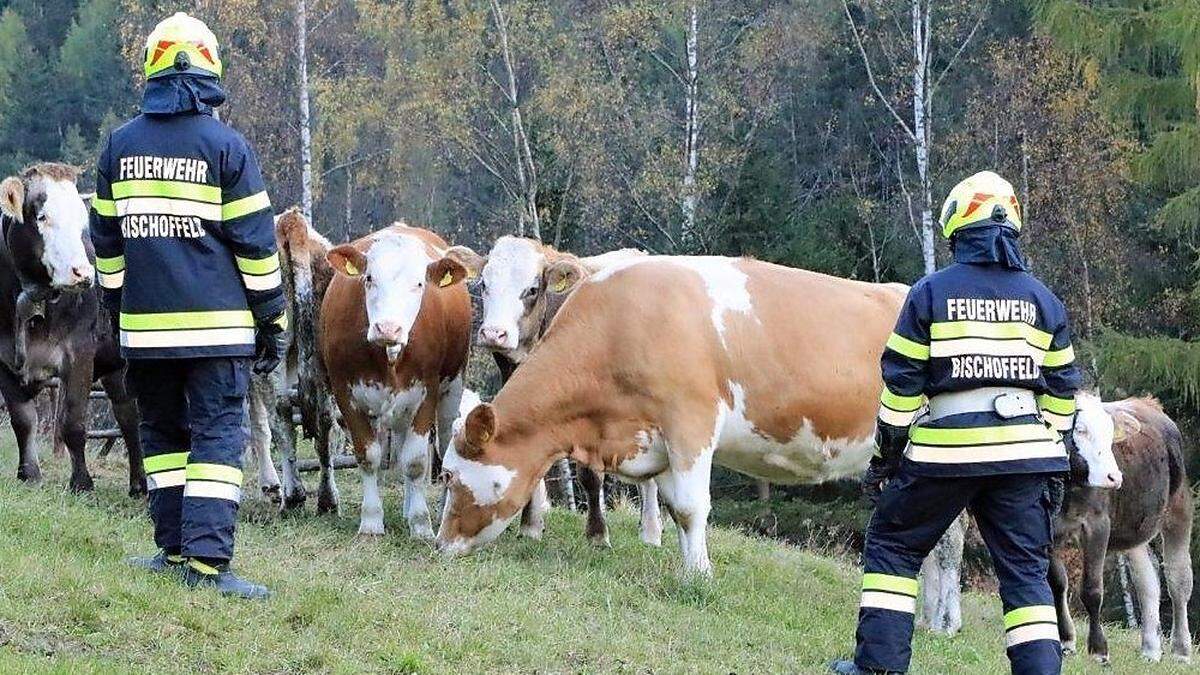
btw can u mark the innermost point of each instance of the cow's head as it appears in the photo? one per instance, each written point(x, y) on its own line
point(45, 225)
point(1095, 465)
point(519, 284)
point(396, 272)
point(485, 487)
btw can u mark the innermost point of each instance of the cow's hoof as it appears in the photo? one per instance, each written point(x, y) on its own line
point(371, 528)
point(600, 540)
point(1102, 659)
point(295, 499)
point(326, 504)
point(1181, 658)
point(1152, 657)
point(652, 538)
point(273, 493)
point(421, 532)
point(30, 476)
point(137, 490)
point(533, 532)
point(82, 484)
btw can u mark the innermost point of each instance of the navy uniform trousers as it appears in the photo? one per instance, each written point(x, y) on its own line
point(193, 440)
point(1013, 513)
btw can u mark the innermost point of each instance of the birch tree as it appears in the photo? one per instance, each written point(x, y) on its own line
point(924, 78)
point(306, 171)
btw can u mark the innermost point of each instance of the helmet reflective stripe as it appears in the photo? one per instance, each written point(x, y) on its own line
point(182, 39)
point(981, 199)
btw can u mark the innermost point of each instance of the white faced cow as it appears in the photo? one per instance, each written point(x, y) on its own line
point(50, 325)
point(518, 306)
point(1154, 500)
point(659, 367)
point(394, 332)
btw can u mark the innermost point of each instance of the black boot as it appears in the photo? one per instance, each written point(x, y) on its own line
point(159, 562)
point(200, 575)
point(847, 667)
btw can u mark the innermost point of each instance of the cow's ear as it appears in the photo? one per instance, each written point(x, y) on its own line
point(1124, 426)
point(12, 198)
point(469, 259)
point(479, 431)
point(347, 260)
point(445, 272)
point(562, 276)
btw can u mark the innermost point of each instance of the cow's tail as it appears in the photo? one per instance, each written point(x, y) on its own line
point(1175, 458)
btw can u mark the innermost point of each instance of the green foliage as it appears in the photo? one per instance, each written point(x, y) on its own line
point(1159, 365)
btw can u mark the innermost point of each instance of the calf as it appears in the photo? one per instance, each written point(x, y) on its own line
point(518, 306)
point(1155, 501)
point(50, 321)
point(306, 276)
point(394, 332)
point(658, 367)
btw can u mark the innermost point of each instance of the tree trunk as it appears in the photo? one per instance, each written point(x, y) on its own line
point(522, 153)
point(306, 178)
point(922, 127)
point(687, 238)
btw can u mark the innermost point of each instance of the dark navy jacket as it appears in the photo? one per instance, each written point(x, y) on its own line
point(183, 228)
point(984, 321)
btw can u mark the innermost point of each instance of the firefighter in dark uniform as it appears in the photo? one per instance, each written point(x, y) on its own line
point(977, 412)
point(186, 255)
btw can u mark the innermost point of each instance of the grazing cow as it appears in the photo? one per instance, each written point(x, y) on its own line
point(518, 306)
point(394, 333)
point(1155, 500)
point(50, 321)
point(656, 368)
point(306, 277)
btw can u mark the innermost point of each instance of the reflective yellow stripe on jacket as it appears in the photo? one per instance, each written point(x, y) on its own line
point(187, 329)
point(1013, 442)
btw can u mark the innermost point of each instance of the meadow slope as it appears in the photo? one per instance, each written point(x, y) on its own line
point(345, 604)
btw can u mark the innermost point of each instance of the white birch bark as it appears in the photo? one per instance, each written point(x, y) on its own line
point(692, 133)
point(922, 116)
point(306, 178)
point(522, 153)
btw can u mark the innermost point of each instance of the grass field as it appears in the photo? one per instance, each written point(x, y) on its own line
point(345, 604)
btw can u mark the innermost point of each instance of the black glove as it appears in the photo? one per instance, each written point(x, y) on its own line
point(889, 442)
point(270, 344)
point(1057, 488)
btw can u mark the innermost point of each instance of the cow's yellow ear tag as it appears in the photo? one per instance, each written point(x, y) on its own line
point(351, 269)
point(446, 280)
point(561, 285)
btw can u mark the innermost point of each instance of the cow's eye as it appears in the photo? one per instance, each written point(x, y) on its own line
point(42, 217)
point(529, 292)
point(368, 280)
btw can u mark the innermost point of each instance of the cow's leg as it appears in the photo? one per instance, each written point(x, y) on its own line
point(1094, 543)
point(77, 385)
point(327, 492)
point(686, 488)
point(930, 593)
point(651, 528)
point(533, 516)
point(260, 401)
point(283, 430)
point(369, 446)
point(949, 558)
point(22, 412)
point(1177, 558)
point(593, 488)
point(1145, 582)
point(1060, 586)
point(416, 445)
point(125, 410)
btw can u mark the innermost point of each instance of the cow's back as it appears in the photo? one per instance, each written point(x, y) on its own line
point(793, 356)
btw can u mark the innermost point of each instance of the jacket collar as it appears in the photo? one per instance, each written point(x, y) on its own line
point(182, 94)
point(989, 245)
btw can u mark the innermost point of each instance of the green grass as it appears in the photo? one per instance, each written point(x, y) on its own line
point(345, 604)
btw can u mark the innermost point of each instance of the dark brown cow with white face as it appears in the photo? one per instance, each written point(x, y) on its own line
point(1154, 500)
point(519, 303)
point(659, 367)
point(394, 332)
point(48, 305)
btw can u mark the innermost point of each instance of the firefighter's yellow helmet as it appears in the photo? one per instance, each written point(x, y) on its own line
point(182, 44)
point(982, 199)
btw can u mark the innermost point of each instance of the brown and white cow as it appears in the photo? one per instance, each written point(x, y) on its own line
point(656, 368)
point(518, 306)
point(51, 325)
point(1154, 500)
point(394, 333)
